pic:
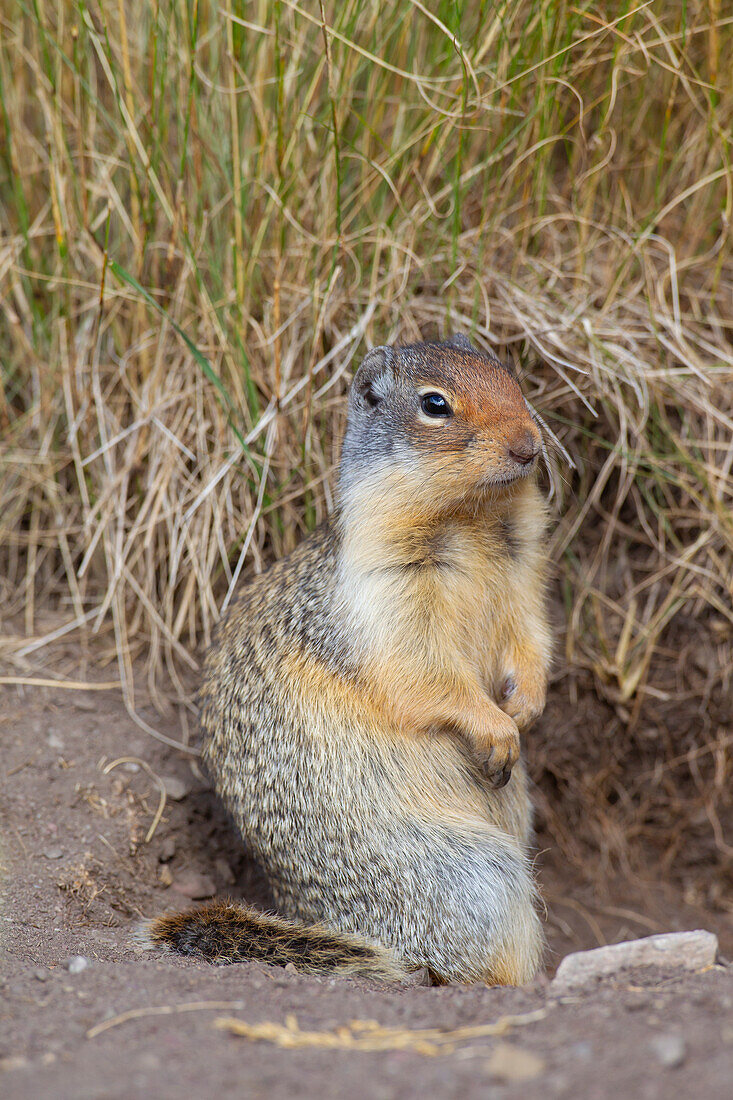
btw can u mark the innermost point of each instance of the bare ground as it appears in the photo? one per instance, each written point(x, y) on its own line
point(79, 873)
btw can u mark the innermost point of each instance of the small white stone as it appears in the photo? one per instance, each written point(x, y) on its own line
point(680, 950)
point(669, 1050)
point(76, 964)
point(175, 788)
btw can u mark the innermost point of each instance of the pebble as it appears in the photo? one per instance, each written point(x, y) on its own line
point(14, 1061)
point(290, 968)
point(175, 788)
point(41, 974)
point(194, 886)
point(53, 853)
point(76, 964)
point(678, 950)
point(84, 702)
point(669, 1050)
point(511, 1063)
point(149, 1060)
point(167, 850)
point(580, 1051)
point(224, 871)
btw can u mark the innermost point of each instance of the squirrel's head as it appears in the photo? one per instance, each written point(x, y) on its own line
point(437, 424)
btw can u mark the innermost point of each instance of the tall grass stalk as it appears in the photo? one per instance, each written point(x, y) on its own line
point(276, 187)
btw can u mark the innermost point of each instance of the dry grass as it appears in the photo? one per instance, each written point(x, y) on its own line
point(209, 212)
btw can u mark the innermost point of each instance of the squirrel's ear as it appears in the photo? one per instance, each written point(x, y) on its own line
point(375, 378)
point(460, 341)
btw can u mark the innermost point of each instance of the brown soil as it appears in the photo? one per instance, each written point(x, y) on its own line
point(79, 873)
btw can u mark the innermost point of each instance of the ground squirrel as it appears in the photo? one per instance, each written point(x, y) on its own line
point(362, 704)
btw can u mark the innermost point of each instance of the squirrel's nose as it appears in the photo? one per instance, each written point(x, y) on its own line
point(524, 448)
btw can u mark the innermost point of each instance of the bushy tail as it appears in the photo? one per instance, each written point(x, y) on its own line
point(228, 932)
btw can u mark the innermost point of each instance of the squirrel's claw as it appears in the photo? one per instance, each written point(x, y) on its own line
point(496, 772)
point(496, 757)
point(500, 779)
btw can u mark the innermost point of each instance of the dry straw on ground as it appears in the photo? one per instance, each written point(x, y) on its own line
point(209, 211)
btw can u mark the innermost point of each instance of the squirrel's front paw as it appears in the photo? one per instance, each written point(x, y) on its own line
point(496, 757)
point(522, 701)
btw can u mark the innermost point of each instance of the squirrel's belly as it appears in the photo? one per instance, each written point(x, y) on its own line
point(428, 867)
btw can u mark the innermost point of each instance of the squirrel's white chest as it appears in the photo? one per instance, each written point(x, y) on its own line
point(472, 595)
point(452, 604)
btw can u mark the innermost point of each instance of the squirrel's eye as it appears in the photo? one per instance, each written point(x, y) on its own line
point(434, 404)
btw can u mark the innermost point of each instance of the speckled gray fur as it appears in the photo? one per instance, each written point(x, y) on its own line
point(334, 815)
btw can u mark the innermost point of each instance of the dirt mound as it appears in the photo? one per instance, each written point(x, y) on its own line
point(90, 846)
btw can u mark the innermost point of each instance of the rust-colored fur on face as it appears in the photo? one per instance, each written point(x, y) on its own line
point(363, 703)
point(488, 406)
